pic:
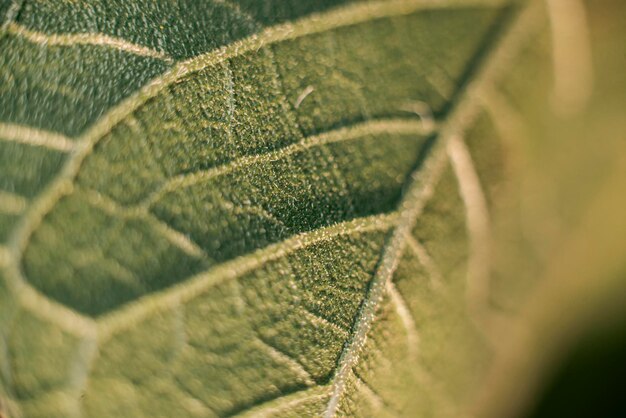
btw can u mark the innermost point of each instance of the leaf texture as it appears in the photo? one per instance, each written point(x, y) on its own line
point(250, 208)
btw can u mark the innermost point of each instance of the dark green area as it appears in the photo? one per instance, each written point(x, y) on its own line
point(27, 169)
point(269, 12)
point(66, 89)
point(121, 258)
point(5, 5)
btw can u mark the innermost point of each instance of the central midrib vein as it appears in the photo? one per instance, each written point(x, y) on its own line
point(421, 187)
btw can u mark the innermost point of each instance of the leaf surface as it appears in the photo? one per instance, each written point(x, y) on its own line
point(246, 208)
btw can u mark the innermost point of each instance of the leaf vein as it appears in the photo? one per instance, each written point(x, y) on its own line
point(357, 131)
point(318, 319)
point(408, 322)
point(11, 203)
point(372, 396)
point(477, 215)
point(175, 237)
point(280, 356)
point(94, 39)
point(36, 137)
point(434, 275)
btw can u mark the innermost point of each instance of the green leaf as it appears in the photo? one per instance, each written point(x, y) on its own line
point(257, 208)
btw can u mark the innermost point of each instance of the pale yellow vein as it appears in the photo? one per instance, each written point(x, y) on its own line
point(122, 274)
point(404, 313)
point(95, 39)
point(513, 129)
point(374, 398)
point(571, 54)
point(111, 207)
point(5, 255)
point(285, 359)
point(387, 126)
point(318, 320)
point(79, 373)
point(51, 311)
point(36, 137)
point(191, 402)
point(478, 224)
point(11, 203)
point(508, 122)
point(434, 274)
point(179, 333)
point(251, 210)
point(178, 239)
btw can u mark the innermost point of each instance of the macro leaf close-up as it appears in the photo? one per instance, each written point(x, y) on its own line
point(312, 208)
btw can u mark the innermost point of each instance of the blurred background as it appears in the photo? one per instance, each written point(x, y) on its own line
point(576, 165)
